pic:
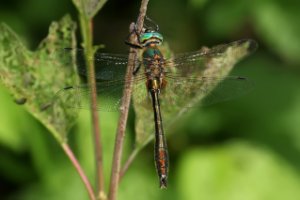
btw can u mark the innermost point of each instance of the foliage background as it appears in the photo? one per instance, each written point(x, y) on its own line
point(247, 148)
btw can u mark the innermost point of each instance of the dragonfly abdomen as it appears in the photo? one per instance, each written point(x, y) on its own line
point(160, 147)
point(161, 162)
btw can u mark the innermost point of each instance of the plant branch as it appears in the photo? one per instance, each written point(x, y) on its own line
point(79, 170)
point(86, 29)
point(119, 141)
point(128, 162)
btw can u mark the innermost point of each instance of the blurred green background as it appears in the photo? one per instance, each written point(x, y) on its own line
point(244, 149)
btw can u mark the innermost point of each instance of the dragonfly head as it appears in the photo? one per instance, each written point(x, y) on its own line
point(150, 38)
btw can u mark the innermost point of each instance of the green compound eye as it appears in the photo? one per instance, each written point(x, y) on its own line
point(151, 37)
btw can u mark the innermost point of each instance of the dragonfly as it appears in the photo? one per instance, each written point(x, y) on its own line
point(161, 82)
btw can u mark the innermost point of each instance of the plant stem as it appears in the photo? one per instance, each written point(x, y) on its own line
point(128, 162)
point(132, 58)
point(86, 29)
point(79, 170)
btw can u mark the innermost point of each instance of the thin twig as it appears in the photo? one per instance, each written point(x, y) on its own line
point(86, 27)
point(116, 164)
point(79, 170)
point(128, 162)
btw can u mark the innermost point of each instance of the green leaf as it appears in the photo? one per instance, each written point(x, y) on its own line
point(275, 22)
point(235, 171)
point(216, 67)
point(11, 135)
point(223, 18)
point(197, 3)
point(89, 8)
point(278, 27)
point(33, 78)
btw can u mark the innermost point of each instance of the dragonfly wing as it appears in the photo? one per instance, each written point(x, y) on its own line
point(196, 64)
point(195, 75)
point(109, 94)
point(187, 83)
point(227, 88)
point(202, 76)
point(107, 66)
point(184, 93)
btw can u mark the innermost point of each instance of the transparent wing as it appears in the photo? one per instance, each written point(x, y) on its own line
point(110, 72)
point(78, 96)
point(109, 94)
point(185, 93)
point(190, 77)
point(181, 94)
point(202, 76)
point(107, 66)
point(113, 66)
point(196, 63)
point(197, 78)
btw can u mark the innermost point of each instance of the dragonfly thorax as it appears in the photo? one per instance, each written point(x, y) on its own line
point(154, 69)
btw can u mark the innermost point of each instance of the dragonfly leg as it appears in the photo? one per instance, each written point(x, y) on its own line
point(136, 69)
point(137, 46)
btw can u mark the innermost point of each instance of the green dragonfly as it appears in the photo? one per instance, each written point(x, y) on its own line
point(162, 84)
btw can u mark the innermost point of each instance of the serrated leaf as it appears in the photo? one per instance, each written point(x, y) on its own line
point(215, 67)
point(33, 78)
point(89, 8)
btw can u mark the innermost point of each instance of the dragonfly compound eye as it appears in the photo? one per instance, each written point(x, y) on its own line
point(148, 38)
